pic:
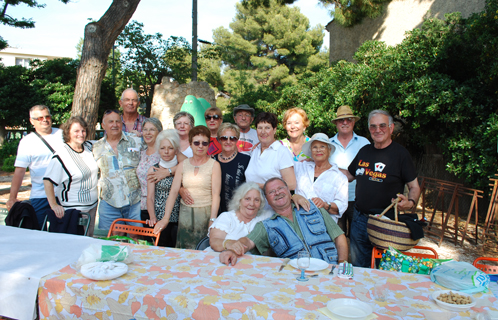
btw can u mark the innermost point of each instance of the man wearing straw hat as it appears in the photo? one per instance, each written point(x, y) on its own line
point(347, 144)
point(381, 171)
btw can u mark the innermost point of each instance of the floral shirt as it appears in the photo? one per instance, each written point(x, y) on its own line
point(137, 125)
point(296, 158)
point(119, 185)
point(144, 165)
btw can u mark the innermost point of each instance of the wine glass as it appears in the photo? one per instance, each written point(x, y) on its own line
point(303, 262)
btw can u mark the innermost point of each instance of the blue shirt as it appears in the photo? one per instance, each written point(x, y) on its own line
point(343, 157)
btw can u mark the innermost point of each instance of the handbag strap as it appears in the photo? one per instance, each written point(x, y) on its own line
point(45, 142)
point(395, 202)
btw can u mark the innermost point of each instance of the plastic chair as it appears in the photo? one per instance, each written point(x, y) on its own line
point(83, 221)
point(141, 231)
point(203, 244)
point(486, 267)
point(377, 254)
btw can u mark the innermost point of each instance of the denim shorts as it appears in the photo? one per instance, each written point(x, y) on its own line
point(108, 213)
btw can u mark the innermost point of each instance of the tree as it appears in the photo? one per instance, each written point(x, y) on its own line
point(22, 23)
point(260, 51)
point(346, 12)
point(99, 39)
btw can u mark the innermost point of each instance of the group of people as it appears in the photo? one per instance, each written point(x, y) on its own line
point(240, 186)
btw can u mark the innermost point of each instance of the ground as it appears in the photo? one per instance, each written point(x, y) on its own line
point(448, 250)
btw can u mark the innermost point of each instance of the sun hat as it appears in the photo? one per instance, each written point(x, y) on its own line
point(345, 112)
point(243, 107)
point(322, 137)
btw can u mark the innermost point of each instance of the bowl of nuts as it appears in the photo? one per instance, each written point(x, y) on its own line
point(453, 301)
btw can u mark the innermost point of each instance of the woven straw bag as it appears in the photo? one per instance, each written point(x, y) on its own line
point(385, 233)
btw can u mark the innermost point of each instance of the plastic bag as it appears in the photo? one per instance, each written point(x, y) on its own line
point(461, 276)
point(394, 260)
point(103, 270)
point(102, 253)
point(126, 239)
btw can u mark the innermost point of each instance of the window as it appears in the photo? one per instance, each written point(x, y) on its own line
point(23, 62)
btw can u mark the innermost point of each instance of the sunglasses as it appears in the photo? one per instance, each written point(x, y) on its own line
point(226, 138)
point(198, 143)
point(215, 117)
point(49, 117)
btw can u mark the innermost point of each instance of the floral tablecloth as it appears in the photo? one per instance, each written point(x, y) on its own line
point(166, 283)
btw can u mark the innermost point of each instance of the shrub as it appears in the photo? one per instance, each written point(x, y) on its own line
point(8, 164)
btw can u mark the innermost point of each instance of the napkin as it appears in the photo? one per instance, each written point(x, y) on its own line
point(329, 314)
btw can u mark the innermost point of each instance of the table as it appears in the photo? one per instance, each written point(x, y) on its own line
point(165, 283)
point(25, 257)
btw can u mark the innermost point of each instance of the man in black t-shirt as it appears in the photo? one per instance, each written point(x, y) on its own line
point(381, 171)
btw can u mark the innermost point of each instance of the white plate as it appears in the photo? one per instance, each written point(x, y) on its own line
point(450, 306)
point(347, 309)
point(315, 264)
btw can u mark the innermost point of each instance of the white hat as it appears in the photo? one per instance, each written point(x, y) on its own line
point(322, 137)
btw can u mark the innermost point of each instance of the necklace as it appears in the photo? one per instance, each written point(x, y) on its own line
point(228, 158)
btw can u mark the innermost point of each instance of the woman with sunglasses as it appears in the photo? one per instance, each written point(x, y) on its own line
point(233, 164)
point(213, 121)
point(201, 176)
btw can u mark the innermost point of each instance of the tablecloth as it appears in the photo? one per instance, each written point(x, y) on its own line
point(166, 283)
point(25, 257)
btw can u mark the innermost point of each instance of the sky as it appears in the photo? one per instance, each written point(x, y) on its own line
point(59, 26)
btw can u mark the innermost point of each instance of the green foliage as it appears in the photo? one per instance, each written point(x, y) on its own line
point(8, 152)
point(440, 84)
point(8, 164)
point(345, 12)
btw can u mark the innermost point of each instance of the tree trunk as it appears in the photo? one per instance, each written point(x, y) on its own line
point(99, 39)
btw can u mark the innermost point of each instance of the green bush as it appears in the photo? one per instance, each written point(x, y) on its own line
point(8, 164)
point(8, 149)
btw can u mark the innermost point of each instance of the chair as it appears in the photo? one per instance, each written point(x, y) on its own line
point(203, 244)
point(377, 254)
point(141, 231)
point(486, 267)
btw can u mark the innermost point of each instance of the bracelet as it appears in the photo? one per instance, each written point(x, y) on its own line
point(170, 172)
point(224, 242)
point(414, 203)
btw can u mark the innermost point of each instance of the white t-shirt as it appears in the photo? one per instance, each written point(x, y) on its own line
point(236, 229)
point(33, 153)
point(268, 164)
point(75, 177)
point(247, 141)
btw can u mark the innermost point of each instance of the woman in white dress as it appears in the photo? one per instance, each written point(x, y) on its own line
point(245, 210)
point(320, 180)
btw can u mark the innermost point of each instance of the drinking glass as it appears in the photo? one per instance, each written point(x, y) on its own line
point(303, 262)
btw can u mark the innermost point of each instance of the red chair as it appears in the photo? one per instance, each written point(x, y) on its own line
point(141, 231)
point(486, 267)
point(377, 254)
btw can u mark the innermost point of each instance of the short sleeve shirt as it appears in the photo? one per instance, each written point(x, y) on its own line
point(137, 125)
point(260, 237)
point(268, 164)
point(247, 141)
point(380, 175)
point(119, 185)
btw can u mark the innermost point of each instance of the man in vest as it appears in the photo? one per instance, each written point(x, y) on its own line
point(313, 230)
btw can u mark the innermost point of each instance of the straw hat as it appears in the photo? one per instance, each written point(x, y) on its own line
point(345, 112)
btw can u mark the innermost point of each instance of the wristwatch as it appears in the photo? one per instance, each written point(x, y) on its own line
point(328, 208)
point(212, 219)
point(170, 172)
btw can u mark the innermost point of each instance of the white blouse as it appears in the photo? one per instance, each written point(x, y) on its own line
point(236, 229)
point(330, 186)
point(268, 164)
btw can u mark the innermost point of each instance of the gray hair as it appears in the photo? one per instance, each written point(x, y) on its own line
point(241, 191)
point(171, 135)
point(273, 179)
point(382, 112)
point(184, 114)
point(130, 89)
point(228, 126)
point(155, 122)
point(38, 107)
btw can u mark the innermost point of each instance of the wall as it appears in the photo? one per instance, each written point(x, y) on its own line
point(170, 95)
point(9, 56)
point(398, 17)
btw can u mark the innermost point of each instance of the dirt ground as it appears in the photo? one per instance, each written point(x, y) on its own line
point(448, 250)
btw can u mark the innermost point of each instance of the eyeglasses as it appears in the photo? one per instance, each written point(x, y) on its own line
point(243, 115)
point(347, 120)
point(49, 117)
point(182, 123)
point(274, 191)
point(382, 126)
point(128, 100)
point(318, 148)
point(226, 138)
point(215, 117)
point(198, 143)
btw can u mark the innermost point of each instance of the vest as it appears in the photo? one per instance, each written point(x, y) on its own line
point(285, 242)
